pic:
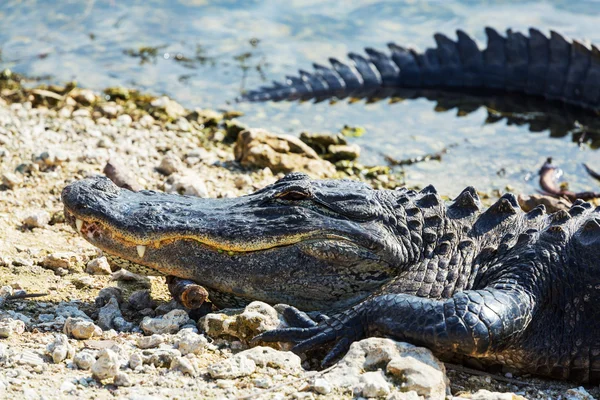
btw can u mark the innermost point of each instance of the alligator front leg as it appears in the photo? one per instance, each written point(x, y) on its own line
point(471, 322)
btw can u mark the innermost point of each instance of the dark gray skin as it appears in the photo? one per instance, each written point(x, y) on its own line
point(499, 285)
point(550, 68)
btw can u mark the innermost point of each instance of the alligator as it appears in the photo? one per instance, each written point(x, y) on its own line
point(495, 284)
point(545, 82)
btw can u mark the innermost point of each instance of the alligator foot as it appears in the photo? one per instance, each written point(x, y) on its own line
point(342, 329)
point(549, 175)
point(186, 292)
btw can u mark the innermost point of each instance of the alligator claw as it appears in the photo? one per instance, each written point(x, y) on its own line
point(295, 317)
point(342, 330)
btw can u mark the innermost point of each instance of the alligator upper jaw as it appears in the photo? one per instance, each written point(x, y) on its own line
point(149, 218)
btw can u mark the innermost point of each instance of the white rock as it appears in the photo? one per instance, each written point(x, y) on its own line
point(190, 342)
point(168, 323)
point(242, 181)
point(483, 394)
point(415, 367)
point(9, 326)
point(374, 384)
point(37, 219)
point(256, 318)
point(124, 119)
point(30, 358)
point(60, 349)
point(171, 107)
point(405, 396)
point(163, 357)
point(234, 367)
point(146, 121)
point(170, 164)
point(135, 360)
point(184, 365)
point(11, 180)
point(64, 259)
point(148, 342)
point(188, 184)
point(98, 266)
point(107, 365)
point(84, 359)
point(79, 328)
point(68, 387)
point(122, 379)
point(269, 357)
point(82, 112)
point(262, 382)
point(321, 386)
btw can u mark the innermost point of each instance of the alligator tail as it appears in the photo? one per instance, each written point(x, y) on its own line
point(553, 68)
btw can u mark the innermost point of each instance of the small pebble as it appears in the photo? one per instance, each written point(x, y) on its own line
point(98, 266)
point(106, 366)
point(37, 219)
point(122, 379)
point(147, 342)
point(11, 180)
point(60, 349)
point(80, 328)
point(321, 386)
point(168, 323)
point(84, 359)
point(184, 366)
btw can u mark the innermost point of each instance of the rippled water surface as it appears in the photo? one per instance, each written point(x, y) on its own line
point(203, 53)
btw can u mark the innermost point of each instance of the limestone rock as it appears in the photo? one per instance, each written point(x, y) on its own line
point(258, 148)
point(374, 384)
point(98, 266)
point(148, 342)
point(415, 367)
point(107, 365)
point(188, 184)
point(269, 357)
point(168, 323)
point(80, 328)
point(11, 180)
point(84, 359)
point(9, 326)
point(170, 164)
point(235, 367)
point(66, 260)
point(184, 366)
point(60, 349)
point(190, 342)
point(256, 318)
point(37, 219)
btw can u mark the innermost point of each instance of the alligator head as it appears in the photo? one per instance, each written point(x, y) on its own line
point(313, 244)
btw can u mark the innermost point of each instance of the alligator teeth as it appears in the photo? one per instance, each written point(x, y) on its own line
point(141, 250)
point(79, 224)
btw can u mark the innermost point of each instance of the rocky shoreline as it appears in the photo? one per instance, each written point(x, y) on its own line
point(104, 333)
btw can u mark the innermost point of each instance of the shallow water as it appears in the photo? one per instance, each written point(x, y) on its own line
point(209, 51)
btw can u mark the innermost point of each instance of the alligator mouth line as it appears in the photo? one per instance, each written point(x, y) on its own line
point(94, 229)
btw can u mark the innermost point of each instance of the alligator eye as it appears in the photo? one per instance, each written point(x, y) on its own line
point(292, 196)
